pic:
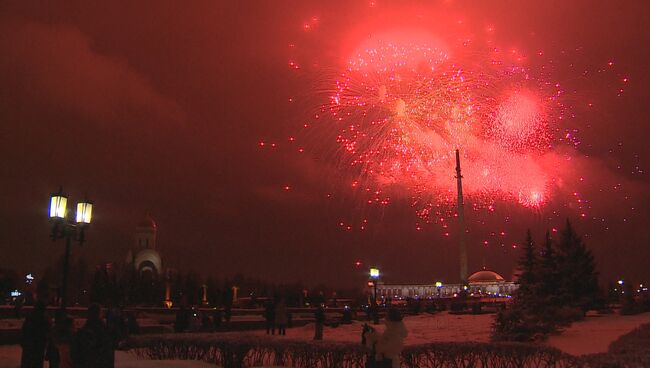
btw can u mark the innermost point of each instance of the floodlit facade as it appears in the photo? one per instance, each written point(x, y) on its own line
point(482, 283)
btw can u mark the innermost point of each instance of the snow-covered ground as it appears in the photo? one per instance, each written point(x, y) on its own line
point(422, 329)
point(593, 335)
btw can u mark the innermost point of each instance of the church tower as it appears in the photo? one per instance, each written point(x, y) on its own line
point(145, 234)
point(144, 257)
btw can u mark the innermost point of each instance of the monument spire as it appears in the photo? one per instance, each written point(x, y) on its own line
point(461, 222)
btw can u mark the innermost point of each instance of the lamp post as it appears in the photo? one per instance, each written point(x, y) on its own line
point(64, 227)
point(439, 287)
point(374, 277)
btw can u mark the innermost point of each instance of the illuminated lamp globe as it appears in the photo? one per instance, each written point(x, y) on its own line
point(84, 212)
point(58, 203)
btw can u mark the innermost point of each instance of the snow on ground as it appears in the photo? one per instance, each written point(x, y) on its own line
point(422, 329)
point(595, 333)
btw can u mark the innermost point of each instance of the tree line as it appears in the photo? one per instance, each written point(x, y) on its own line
point(111, 284)
point(558, 284)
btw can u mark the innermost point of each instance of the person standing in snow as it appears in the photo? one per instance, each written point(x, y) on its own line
point(281, 317)
point(36, 329)
point(319, 317)
point(390, 344)
point(92, 346)
point(269, 317)
point(61, 339)
point(182, 322)
point(369, 339)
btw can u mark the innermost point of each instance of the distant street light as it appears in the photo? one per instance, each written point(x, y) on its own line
point(439, 287)
point(374, 277)
point(63, 227)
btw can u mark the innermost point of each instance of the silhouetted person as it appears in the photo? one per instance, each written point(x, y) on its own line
point(206, 323)
point(319, 317)
point(36, 329)
point(132, 324)
point(375, 314)
point(116, 325)
point(92, 346)
point(369, 338)
point(227, 312)
point(61, 340)
point(269, 317)
point(346, 318)
point(18, 308)
point(217, 318)
point(182, 322)
point(281, 317)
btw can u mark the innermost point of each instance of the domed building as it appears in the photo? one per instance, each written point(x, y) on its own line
point(485, 277)
point(483, 282)
point(489, 282)
point(143, 256)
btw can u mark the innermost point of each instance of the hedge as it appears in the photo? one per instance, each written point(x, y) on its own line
point(252, 351)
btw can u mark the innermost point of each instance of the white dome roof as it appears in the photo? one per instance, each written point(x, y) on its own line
point(485, 276)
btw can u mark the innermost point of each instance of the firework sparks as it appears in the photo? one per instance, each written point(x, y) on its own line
point(402, 109)
point(391, 114)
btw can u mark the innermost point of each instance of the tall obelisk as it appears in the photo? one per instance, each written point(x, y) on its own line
point(461, 223)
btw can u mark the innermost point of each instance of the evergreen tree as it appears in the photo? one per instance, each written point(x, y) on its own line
point(549, 277)
point(78, 281)
point(213, 292)
point(523, 320)
point(548, 270)
point(9, 281)
point(578, 279)
point(98, 288)
point(192, 288)
point(629, 306)
point(527, 292)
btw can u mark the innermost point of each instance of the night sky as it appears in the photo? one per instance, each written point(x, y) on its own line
point(161, 107)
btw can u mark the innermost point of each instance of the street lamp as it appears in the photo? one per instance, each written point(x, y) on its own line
point(64, 227)
point(374, 277)
point(438, 286)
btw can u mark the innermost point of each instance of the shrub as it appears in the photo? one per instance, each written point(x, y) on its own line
point(457, 307)
point(346, 317)
point(476, 308)
point(431, 308)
